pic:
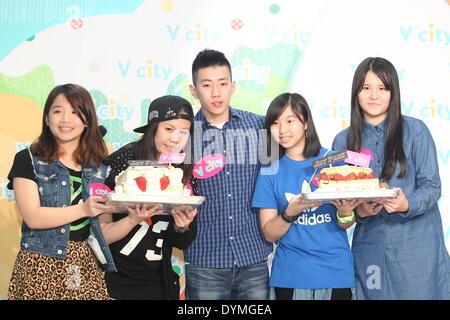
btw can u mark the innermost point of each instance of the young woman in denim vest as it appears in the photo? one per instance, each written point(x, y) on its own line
point(62, 245)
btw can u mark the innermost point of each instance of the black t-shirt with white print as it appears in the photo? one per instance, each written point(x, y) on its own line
point(138, 256)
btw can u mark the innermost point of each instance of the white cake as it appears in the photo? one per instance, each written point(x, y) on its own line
point(348, 178)
point(152, 180)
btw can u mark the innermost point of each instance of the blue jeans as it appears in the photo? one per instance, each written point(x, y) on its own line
point(245, 283)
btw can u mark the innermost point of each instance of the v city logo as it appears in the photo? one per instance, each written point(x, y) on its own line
point(149, 69)
point(196, 34)
point(429, 34)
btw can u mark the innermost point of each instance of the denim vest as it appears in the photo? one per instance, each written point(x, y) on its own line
point(54, 191)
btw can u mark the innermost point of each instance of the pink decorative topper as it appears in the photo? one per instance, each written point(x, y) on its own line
point(359, 159)
point(172, 157)
point(209, 166)
point(98, 189)
point(367, 152)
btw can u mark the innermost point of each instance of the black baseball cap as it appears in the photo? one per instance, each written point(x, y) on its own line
point(167, 108)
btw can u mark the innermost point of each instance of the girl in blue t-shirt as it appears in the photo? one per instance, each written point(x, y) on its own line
point(313, 258)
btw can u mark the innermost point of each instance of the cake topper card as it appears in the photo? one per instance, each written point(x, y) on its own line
point(327, 160)
point(172, 157)
point(142, 163)
point(98, 189)
point(359, 159)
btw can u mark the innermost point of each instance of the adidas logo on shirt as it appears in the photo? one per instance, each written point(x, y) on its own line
point(311, 220)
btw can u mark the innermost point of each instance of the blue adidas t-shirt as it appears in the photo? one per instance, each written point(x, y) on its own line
point(315, 252)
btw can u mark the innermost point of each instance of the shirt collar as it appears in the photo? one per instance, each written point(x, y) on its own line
point(375, 128)
point(234, 115)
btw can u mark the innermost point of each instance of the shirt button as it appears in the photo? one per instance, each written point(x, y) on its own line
point(231, 238)
point(228, 172)
point(224, 151)
point(63, 230)
point(63, 183)
point(59, 251)
point(231, 217)
point(229, 195)
point(45, 178)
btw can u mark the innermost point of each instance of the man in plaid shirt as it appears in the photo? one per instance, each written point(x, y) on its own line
point(228, 259)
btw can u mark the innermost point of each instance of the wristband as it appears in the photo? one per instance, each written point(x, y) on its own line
point(289, 219)
point(345, 219)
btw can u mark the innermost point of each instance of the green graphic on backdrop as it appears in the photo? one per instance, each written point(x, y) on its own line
point(263, 74)
point(180, 87)
point(144, 110)
point(115, 134)
point(35, 85)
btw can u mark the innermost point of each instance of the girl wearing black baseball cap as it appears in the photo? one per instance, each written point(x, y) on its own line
point(145, 270)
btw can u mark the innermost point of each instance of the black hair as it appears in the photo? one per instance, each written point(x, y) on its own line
point(208, 58)
point(91, 150)
point(393, 150)
point(145, 147)
point(301, 110)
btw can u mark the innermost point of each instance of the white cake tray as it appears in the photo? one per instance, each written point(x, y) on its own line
point(343, 195)
point(123, 200)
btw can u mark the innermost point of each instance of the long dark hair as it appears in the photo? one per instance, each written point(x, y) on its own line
point(393, 150)
point(301, 110)
point(145, 147)
point(91, 150)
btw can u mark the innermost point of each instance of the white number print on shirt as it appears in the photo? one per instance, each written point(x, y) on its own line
point(140, 234)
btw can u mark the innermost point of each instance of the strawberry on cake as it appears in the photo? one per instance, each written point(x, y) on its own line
point(348, 178)
point(152, 180)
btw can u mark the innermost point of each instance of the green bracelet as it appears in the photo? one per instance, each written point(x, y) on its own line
point(345, 219)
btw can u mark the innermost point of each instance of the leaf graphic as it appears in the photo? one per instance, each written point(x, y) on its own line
point(289, 196)
point(305, 187)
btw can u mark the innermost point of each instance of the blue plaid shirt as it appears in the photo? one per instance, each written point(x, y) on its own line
point(229, 232)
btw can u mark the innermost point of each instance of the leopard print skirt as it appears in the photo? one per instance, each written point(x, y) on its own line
point(39, 277)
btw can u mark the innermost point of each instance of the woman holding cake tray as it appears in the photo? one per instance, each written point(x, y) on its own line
point(60, 228)
point(398, 243)
point(313, 260)
point(141, 241)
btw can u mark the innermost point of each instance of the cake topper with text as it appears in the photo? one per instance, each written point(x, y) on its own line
point(172, 157)
point(359, 159)
point(164, 159)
